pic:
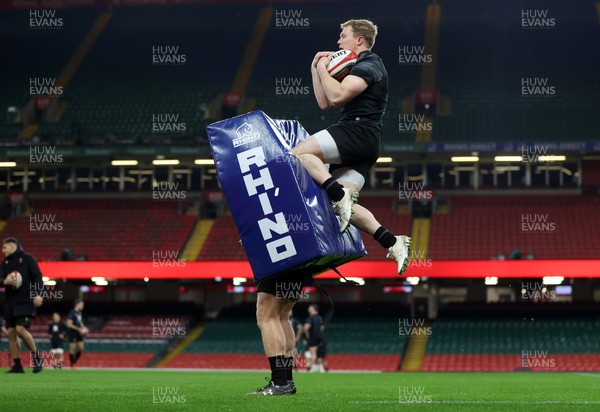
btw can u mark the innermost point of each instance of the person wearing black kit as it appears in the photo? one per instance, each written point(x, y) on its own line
point(22, 279)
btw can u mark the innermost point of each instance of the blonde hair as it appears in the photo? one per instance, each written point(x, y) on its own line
point(363, 28)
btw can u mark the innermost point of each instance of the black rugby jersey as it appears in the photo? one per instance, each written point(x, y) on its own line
point(55, 330)
point(75, 317)
point(370, 105)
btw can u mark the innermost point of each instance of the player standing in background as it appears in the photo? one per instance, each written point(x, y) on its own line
point(21, 302)
point(352, 146)
point(313, 329)
point(77, 331)
point(56, 333)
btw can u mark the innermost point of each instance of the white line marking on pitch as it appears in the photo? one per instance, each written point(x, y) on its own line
point(508, 402)
point(591, 375)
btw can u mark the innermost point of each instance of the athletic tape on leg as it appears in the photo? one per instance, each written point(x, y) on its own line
point(284, 218)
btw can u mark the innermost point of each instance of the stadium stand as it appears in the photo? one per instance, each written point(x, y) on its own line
point(123, 341)
point(495, 342)
point(105, 102)
point(474, 227)
point(358, 339)
point(88, 228)
point(481, 74)
point(223, 241)
point(478, 227)
point(121, 335)
point(465, 340)
point(112, 106)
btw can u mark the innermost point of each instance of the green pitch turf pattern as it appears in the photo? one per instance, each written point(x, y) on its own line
point(117, 390)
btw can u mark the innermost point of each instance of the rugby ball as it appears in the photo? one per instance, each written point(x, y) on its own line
point(341, 63)
point(17, 275)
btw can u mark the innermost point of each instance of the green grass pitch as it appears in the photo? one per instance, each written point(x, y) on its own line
point(120, 390)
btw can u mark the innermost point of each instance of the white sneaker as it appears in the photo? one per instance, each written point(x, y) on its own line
point(343, 208)
point(400, 251)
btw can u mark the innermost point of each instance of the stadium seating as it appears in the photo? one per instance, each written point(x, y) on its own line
point(122, 341)
point(88, 228)
point(479, 227)
point(510, 363)
point(481, 74)
point(355, 341)
point(254, 361)
point(91, 359)
point(138, 327)
point(223, 241)
point(492, 344)
point(118, 104)
point(384, 210)
point(476, 227)
point(30, 46)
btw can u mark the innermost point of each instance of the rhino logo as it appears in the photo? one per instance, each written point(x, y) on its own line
point(246, 134)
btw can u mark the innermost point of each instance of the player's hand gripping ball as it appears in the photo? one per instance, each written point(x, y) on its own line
point(16, 279)
point(341, 63)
